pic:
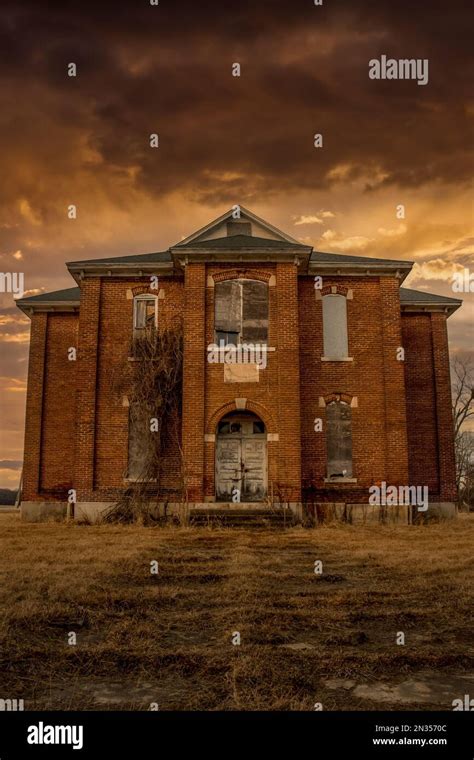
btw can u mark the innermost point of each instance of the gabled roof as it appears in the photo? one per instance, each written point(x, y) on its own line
point(66, 300)
point(419, 300)
point(214, 242)
point(245, 215)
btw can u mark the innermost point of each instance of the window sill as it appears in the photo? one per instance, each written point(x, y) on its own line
point(337, 481)
point(261, 346)
point(337, 359)
point(128, 481)
point(140, 359)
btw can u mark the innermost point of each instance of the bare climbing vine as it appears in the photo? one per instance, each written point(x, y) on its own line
point(153, 382)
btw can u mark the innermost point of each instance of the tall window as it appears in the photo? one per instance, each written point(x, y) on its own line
point(339, 439)
point(138, 441)
point(145, 314)
point(241, 312)
point(335, 326)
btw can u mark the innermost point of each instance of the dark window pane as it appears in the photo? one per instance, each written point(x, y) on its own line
point(145, 320)
point(339, 439)
point(228, 338)
point(150, 313)
point(258, 427)
point(255, 311)
point(228, 307)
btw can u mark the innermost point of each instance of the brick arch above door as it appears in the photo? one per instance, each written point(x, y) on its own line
point(250, 406)
point(261, 275)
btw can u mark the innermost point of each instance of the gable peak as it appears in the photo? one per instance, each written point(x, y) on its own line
point(237, 221)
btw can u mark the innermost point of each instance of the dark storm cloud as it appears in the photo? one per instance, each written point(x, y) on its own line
point(143, 69)
point(167, 69)
point(10, 464)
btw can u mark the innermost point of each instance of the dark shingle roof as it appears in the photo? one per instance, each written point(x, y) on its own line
point(331, 258)
point(417, 296)
point(57, 296)
point(240, 242)
point(131, 259)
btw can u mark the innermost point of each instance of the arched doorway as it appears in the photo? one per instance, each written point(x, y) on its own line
point(241, 458)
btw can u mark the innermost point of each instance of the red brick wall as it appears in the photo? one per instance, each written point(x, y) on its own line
point(428, 393)
point(375, 377)
point(104, 415)
point(88, 349)
point(194, 379)
point(420, 401)
point(275, 398)
point(34, 407)
point(447, 470)
point(50, 413)
point(288, 393)
point(220, 396)
point(88, 443)
point(59, 412)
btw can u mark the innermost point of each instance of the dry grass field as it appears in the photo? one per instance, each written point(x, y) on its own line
point(305, 638)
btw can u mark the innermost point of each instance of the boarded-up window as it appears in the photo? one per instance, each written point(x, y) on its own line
point(138, 443)
point(145, 314)
point(339, 439)
point(335, 326)
point(241, 312)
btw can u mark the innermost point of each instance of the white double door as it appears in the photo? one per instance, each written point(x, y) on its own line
point(241, 461)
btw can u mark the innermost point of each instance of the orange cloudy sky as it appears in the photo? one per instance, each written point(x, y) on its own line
point(225, 140)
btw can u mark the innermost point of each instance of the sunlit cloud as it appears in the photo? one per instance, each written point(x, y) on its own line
point(7, 337)
point(392, 233)
point(436, 269)
point(336, 241)
point(28, 213)
point(12, 384)
point(313, 219)
point(307, 220)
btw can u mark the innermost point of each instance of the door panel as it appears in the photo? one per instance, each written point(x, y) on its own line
point(228, 467)
point(254, 486)
point(241, 458)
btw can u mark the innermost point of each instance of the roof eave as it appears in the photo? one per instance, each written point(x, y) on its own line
point(399, 269)
point(424, 306)
point(182, 256)
point(31, 308)
point(79, 270)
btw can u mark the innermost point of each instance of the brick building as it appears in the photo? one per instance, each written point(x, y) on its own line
point(342, 383)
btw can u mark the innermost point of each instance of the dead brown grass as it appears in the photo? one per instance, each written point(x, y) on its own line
point(143, 638)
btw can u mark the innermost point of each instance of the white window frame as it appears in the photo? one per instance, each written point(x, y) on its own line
point(240, 281)
point(137, 330)
point(349, 478)
point(328, 350)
